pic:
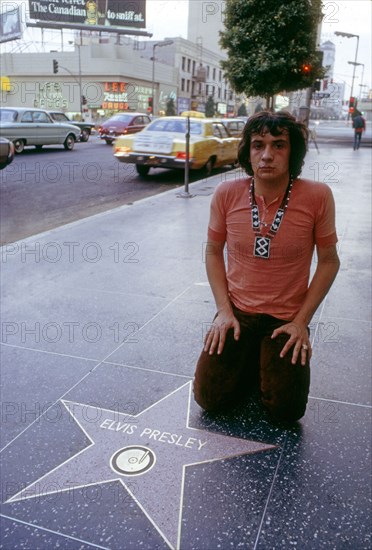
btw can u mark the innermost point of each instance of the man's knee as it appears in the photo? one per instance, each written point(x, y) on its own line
point(287, 409)
point(284, 386)
point(214, 382)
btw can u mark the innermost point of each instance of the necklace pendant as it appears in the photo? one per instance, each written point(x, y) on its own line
point(262, 247)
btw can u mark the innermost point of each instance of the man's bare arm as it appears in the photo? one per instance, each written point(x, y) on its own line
point(325, 274)
point(225, 318)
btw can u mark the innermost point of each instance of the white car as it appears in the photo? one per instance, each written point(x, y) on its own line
point(25, 127)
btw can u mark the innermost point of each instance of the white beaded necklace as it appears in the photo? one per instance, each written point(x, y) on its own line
point(262, 244)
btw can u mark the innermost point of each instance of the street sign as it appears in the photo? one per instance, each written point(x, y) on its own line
point(321, 95)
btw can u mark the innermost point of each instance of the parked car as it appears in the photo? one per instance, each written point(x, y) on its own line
point(162, 144)
point(234, 125)
point(25, 127)
point(122, 123)
point(6, 152)
point(85, 127)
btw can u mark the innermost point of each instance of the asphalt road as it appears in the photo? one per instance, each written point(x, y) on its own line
point(44, 189)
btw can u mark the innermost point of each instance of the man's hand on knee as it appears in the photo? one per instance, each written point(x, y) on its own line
point(216, 336)
point(298, 339)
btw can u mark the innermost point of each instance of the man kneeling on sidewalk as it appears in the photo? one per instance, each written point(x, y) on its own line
point(271, 221)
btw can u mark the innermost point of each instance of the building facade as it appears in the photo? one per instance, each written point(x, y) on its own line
point(107, 76)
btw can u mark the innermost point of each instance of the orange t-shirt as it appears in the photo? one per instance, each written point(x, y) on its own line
point(276, 286)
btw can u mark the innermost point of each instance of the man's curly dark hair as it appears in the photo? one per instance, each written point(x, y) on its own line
point(275, 123)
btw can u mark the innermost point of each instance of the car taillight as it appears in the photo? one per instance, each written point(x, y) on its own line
point(122, 149)
point(181, 155)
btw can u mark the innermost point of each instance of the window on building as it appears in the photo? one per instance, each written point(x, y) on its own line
point(183, 63)
point(188, 65)
point(182, 84)
point(220, 76)
point(214, 74)
point(193, 68)
point(208, 70)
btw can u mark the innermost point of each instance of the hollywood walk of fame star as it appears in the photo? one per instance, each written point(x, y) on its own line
point(151, 447)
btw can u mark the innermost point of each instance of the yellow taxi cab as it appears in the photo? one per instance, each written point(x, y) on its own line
point(162, 144)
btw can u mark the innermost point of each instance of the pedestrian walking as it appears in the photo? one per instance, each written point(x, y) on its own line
point(271, 221)
point(359, 125)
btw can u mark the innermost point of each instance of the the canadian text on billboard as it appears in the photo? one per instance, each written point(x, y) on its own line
point(111, 13)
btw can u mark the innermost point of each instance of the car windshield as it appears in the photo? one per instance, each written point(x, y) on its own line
point(60, 117)
point(121, 118)
point(169, 125)
point(7, 115)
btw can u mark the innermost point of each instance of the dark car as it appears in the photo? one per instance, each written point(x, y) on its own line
point(121, 124)
point(85, 127)
point(6, 152)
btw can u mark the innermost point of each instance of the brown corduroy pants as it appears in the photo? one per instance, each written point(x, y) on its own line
point(221, 381)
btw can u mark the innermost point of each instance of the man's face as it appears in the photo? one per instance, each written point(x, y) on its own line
point(269, 156)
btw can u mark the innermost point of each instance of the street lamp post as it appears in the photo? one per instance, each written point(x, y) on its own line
point(80, 84)
point(154, 46)
point(356, 65)
point(79, 78)
point(349, 35)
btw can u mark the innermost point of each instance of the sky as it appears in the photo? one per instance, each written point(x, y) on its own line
point(168, 18)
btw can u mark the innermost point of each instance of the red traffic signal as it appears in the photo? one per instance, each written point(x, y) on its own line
point(352, 104)
point(149, 105)
point(306, 69)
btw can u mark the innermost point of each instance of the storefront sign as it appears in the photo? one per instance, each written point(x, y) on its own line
point(115, 96)
point(51, 96)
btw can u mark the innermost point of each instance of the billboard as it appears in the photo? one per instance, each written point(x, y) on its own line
point(10, 25)
point(110, 13)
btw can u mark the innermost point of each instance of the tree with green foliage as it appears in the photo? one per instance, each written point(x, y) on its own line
point(271, 46)
point(170, 109)
point(209, 107)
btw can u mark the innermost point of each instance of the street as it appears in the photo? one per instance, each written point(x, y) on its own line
point(45, 189)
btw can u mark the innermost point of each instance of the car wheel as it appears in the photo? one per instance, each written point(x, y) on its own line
point(208, 167)
point(19, 146)
point(84, 135)
point(108, 141)
point(38, 147)
point(142, 170)
point(69, 142)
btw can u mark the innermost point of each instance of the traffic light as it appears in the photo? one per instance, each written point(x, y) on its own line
point(352, 104)
point(149, 105)
point(83, 100)
point(55, 66)
point(306, 69)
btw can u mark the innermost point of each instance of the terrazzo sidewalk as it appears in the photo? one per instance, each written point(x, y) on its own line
point(102, 443)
